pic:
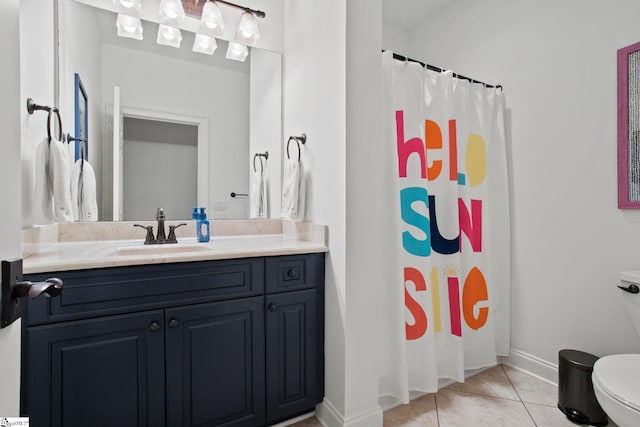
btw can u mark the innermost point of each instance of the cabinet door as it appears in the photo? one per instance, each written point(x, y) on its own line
point(99, 372)
point(215, 364)
point(291, 354)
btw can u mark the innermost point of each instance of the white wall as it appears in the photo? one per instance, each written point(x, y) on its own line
point(10, 177)
point(218, 94)
point(557, 63)
point(332, 93)
point(314, 103)
point(265, 116)
point(365, 158)
point(37, 58)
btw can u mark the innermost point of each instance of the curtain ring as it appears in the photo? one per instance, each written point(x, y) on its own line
point(60, 134)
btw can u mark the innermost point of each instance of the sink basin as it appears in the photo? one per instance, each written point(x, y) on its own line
point(165, 249)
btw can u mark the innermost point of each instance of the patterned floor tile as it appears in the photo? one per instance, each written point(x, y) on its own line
point(460, 409)
point(492, 382)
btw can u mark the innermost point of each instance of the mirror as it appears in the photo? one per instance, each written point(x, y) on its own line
point(175, 92)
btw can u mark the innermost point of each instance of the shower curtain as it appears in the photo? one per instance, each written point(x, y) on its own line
point(447, 303)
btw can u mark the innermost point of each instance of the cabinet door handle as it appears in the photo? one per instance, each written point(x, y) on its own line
point(174, 323)
point(272, 307)
point(292, 273)
point(154, 327)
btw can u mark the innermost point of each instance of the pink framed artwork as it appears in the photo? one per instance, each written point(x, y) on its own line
point(629, 127)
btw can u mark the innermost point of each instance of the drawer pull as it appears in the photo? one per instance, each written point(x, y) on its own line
point(154, 327)
point(174, 323)
point(292, 273)
point(272, 307)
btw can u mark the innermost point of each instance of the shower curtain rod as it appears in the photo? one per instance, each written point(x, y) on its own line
point(440, 70)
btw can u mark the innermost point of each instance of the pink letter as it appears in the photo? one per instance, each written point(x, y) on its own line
point(454, 306)
point(472, 229)
point(406, 148)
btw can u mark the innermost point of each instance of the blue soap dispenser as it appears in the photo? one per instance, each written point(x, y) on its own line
point(202, 226)
point(195, 214)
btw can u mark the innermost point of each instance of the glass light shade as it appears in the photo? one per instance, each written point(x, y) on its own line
point(248, 31)
point(169, 36)
point(171, 12)
point(128, 7)
point(237, 52)
point(211, 22)
point(128, 26)
point(204, 44)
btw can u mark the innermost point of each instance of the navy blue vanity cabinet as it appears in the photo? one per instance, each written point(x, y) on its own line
point(209, 343)
point(295, 335)
point(215, 364)
point(97, 372)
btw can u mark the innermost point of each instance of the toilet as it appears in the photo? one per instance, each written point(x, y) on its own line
point(616, 378)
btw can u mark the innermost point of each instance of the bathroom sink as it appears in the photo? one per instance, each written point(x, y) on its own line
point(164, 249)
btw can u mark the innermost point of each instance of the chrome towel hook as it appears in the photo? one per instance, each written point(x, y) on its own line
point(302, 139)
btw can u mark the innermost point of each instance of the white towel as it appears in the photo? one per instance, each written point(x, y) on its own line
point(84, 201)
point(60, 178)
point(43, 194)
point(258, 194)
point(293, 189)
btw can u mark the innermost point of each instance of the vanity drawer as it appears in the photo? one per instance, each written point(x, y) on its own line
point(106, 291)
point(294, 272)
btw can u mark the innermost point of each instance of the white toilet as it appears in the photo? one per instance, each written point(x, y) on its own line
point(616, 378)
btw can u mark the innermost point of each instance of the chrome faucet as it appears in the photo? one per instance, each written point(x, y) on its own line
point(160, 238)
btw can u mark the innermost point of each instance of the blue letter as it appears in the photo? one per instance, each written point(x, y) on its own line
point(407, 197)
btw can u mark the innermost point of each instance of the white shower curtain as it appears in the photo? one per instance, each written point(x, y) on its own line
point(447, 307)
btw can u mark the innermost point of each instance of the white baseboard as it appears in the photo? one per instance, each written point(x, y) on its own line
point(329, 416)
point(532, 365)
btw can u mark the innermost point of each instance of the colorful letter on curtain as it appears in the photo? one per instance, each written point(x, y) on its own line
point(448, 309)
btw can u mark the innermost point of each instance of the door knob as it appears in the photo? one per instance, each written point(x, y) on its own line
point(154, 327)
point(174, 323)
point(272, 307)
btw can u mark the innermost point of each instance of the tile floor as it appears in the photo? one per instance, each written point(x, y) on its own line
point(500, 396)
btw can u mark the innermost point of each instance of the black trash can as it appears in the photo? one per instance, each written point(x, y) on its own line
point(576, 398)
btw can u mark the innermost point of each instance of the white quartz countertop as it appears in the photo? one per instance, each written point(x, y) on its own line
point(80, 255)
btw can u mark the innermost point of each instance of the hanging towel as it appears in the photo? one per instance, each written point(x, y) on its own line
point(83, 192)
point(258, 194)
point(43, 194)
point(60, 179)
point(293, 188)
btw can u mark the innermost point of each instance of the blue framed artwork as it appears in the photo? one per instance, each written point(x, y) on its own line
point(81, 119)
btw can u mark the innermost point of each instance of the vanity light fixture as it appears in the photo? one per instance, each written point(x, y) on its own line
point(128, 26)
point(204, 44)
point(211, 22)
point(128, 7)
point(169, 36)
point(171, 13)
point(237, 51)
point(248, 31)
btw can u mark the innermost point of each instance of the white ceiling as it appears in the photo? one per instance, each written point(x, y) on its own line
point(409, 13)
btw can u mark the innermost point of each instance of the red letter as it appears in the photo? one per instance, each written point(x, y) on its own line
point(406, 148)
point(475, 290)
point(418, 329)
